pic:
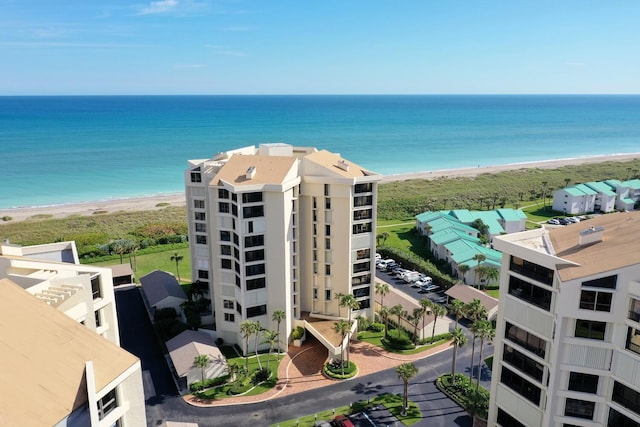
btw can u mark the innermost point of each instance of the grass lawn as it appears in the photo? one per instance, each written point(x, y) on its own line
point(393, 403)
point(493, 292)
point(160, 261)
point(376, 337)
point(222, 392)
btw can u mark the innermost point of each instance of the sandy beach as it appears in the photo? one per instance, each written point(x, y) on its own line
point(159, 202)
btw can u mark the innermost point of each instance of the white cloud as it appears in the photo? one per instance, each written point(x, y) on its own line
point(224, 50)
point(158, 7)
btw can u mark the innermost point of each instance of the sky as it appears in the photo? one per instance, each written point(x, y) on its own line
point(121, 47)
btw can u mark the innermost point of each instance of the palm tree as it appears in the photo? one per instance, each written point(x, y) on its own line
point(383, 290)
point(349, 301)
point(257, 330)
point(457, 309)
point(481, 271)
point(343, 328)
point(458, 340)
point(177, 258)
point(479, 258)
point(427, 306)
point(271, 338)
point(201, 361)
point(405, 372)
point(462, 270)
point(397, 310)
point(544, 199)
point(492, 274)
point(384, 313)
point(475, 310)
point(475, 332)
point(278, 316)
point(246, 328)
point(416, 316)
point(487, 332)
point(437, 311)
point(385, 236)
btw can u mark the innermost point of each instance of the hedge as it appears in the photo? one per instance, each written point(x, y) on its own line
point(412, 261)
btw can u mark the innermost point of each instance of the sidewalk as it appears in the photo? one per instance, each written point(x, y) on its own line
point(301, 370)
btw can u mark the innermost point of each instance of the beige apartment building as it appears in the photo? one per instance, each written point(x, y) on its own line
point(278, 227)
point(567, 347)
point(59, 350)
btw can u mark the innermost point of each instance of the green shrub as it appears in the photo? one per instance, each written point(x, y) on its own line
point(376, 327)
point(398, 340)
point(363, 323)
point(297, 333)
point(334, 370)
point(208, 383)
point(436, 338)
point(7, 218)
point(260, 375)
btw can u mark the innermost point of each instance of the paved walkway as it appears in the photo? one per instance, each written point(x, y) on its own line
point(301, 370)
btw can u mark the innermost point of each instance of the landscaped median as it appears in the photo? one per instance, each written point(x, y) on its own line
point(464, 392)
point(378, 339)
point(393, 402)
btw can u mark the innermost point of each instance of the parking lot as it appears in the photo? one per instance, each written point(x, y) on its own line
point(411, 289)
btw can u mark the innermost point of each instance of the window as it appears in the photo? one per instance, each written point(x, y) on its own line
point(225, 250)
point(229, 317)
point(223, 193)
point(327, 230)
point(255, 255)
point(327, 203)
point(523, 363)
point(258, 283)
point(327, 294)
point(531, 270)
point(98, 318)
point(365, 303)
point(361, 266)
point(627, 397)
point(257, 310)
point(362, 228)
point(107, 404)
point(530, 293)
point(362, 214)
point(200, 216)
point(634, 309)
point(526, 340)
point(363, 254)
point(326, 189)
point(198, 204)
point(201, 227)
point(238, 308)
point(227, 303)
point(314, 202)
point(315, 293)
point(579, 408)
point(238, 281)
point(327, 243)
point(196, 177)
point(253, 211)
point(234, 197)
point(251, 241)
point(251, 197)
point(608, 282)
point(362, 292)
point(254, 270)
point(236, 253)
point(250, 226)
point(363, 188)
point(223, 207)
point(590, 329)
point(203, 274)
point(585, 383)
point(595, 300)
point(201, 240)
point(236, 239)
point(234, 210)
point(633, 340)
point(521, 386)
point(327, 269)
point(96, 290)
point(616, 419)
point(225, 263)
point(360, 201)
point(365, 279)
point(506, 420)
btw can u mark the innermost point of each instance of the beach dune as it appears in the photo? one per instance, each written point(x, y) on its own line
point(159, 202)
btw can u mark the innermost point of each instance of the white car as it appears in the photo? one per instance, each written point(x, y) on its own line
point(383, 264)
point(553, 221)
point(429, 288)
point(422, 282)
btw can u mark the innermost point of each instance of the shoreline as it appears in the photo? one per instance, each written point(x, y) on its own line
point(178, 199)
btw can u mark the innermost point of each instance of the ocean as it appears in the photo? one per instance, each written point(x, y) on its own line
point(57, 149)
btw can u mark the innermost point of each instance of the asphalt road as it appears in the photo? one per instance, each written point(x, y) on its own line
point(164, 403)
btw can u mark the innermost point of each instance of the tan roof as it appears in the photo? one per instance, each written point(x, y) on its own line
point(268, 170)
point(42, 357)
point(119, 270)
point(619, 246)
point(466, 294)
point(186, 346)
point(331, 160)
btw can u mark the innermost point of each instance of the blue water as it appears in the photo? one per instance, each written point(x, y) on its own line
point(56, 150)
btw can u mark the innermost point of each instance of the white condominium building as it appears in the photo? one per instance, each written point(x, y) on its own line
point(567, 348)
point(59, 347)
point(278, 227)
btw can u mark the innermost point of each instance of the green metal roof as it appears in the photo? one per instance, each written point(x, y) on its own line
point(509, 214)
point(632, 183)
point(601, 187)
point(449, 235)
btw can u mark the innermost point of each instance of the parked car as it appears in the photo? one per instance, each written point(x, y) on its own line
point(342, 421)
point(378, 257)
point(423, 281)
point(382, 265)
point(322, 423)
point(392, 266)
point(553, 221)
point(565, 221)
point(428, 288)
point(412, 276)
point(573, 219)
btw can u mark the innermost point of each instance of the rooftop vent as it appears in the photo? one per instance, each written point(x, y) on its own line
point(251, 172)
point(342, 164)
point(591, 235)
